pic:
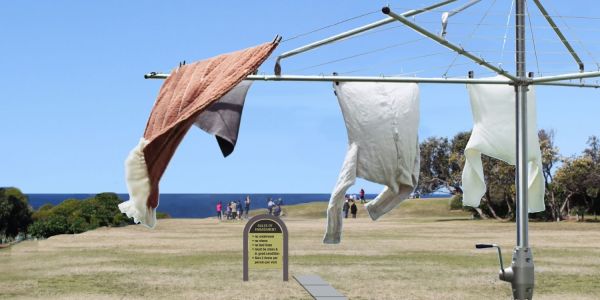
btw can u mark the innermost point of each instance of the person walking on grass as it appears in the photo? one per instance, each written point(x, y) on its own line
point(233, 210)
point(239, 209)
point(270, 205)
point(277, 210)
point(247, 206)
point(362, 196)
point(346, 208)
point(219, 210)
point(353, 210)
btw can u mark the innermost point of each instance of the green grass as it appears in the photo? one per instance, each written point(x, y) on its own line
point(413, 208)
point(419, 251)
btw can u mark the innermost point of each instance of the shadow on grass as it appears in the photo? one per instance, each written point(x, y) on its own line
point(453, 219)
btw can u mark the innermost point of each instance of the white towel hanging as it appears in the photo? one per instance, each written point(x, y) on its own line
point(494, 133)
point(382, 121)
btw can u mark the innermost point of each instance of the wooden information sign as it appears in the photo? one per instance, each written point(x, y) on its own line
point(265, 245)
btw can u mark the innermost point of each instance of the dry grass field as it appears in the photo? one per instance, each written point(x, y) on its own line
point(420, 251)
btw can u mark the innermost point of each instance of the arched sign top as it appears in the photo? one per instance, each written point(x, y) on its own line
point(265, 244)
point(265, 226)
point(252, 223)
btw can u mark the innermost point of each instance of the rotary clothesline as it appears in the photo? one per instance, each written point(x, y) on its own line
point(468, 38)
point(546, 80)
point(521, 272)
point(370, 29)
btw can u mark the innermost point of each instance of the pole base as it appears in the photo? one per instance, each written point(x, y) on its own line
point(521, 274)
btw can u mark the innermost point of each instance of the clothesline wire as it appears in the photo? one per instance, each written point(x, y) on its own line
point(506, 29)
point(470, 35)
point(393, 62)
point(557, 63)
point(498, 25)
point(432, 69)
point(330, 25)
point(466, 12)
point(360, 54)
point(550, 53)
point(500, 13)
point(489, 12)
point(537, 63)
point(578, 40)
point(400, 60)
point(468, 38)
point(477, 75)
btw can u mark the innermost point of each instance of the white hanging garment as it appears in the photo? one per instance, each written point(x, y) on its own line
point(382, 121)
point(494, 134)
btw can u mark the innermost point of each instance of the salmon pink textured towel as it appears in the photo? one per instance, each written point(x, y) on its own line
point(189, 90)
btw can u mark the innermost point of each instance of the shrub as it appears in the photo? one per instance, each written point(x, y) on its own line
point(456, 202)
point(76, 216)
point(162, 215)
point(15, 213)
point(53, 225)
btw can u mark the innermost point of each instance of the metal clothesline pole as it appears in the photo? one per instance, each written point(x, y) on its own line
point(521, 273)
point(352, 32)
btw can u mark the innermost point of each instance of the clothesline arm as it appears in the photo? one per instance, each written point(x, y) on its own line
point(352, 32)
point(445, 43)
point(562, 38)
point(315, 78)
point(319, 78)
point(568, 84)
point(566, 77)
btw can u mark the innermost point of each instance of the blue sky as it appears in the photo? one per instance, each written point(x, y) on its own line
point(73, 100)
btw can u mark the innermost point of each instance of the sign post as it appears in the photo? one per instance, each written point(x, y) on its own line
point(265, 244)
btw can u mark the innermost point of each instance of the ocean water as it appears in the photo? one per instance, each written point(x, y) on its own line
point(195, 205)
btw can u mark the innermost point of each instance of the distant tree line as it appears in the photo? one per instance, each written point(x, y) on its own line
point(572, 183)
point(17, 218)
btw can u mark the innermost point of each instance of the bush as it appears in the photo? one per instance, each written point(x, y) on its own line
point(456, 202)
point(15, 213)
point(162, 215)
point(53, 225)
point(76, 216)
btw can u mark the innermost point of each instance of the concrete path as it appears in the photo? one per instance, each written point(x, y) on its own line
point(319, 288)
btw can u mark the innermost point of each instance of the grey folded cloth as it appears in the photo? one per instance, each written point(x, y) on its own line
point(222, 118)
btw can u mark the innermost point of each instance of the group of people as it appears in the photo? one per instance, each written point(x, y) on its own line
point(234, 210)
point(350, 206)
point(274, 207)
point(237, 210)
point(360, 196)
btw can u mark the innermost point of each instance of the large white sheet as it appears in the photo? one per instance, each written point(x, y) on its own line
point(382, 121)
point(493, 108)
